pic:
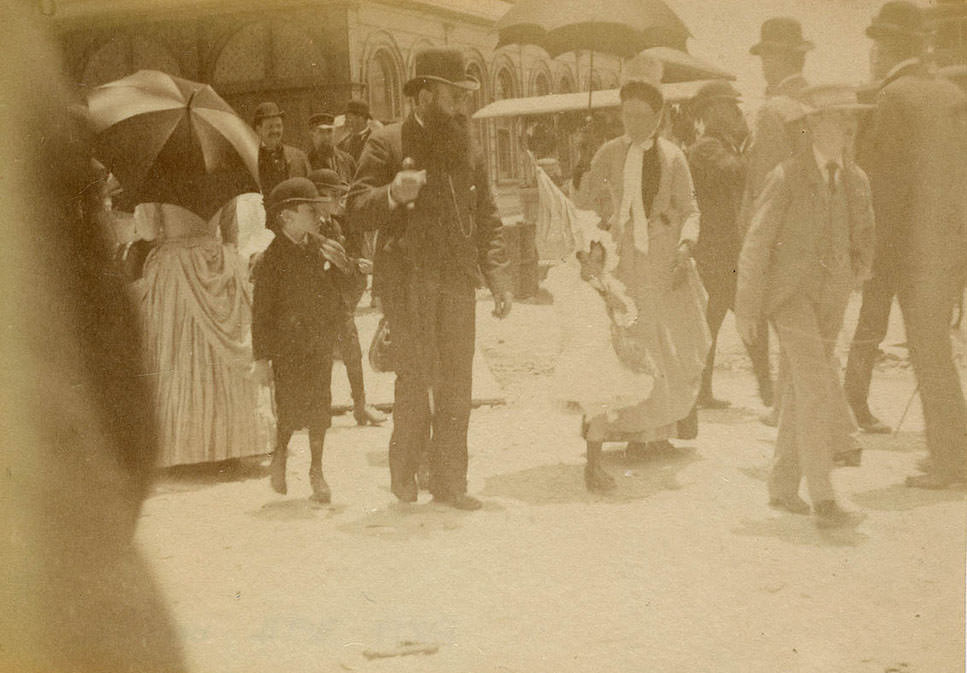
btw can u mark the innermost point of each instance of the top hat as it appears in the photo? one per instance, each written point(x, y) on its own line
point(440, 64)
point(267, 110)
point(827, 97)
point(292, 191)
point(712, 92)
point(323, 120)
point(328, 183)
point(781, 33)
point(357, 107)
point(897, 19)
point(644, 69)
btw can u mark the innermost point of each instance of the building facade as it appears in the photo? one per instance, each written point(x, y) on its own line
point(313, 55)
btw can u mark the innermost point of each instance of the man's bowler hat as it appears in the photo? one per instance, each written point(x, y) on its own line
point(328, 183)
point(897, 20)
point(292, 191)
point(357, 107)
point(440, 64)
point(323, 120)
point(267, 110)
point(781, 33)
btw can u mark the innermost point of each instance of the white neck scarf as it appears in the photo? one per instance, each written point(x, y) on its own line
point(632, 206)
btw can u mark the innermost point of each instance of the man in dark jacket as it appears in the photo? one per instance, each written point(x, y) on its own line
point(439, 231)
point(324, 154)
point(914, 153)
point(277, 161)
point(330, 185)
point(296, 316)
point(357, 127)
point(718, 171)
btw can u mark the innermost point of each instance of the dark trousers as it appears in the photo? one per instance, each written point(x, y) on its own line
point(347, 342)
point(927, 300)
point(433, 329)
point(874, 319)
point(721, 299)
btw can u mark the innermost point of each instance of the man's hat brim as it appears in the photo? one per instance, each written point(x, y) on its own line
point(413, 86)
point(287, 202)
point(776, 45)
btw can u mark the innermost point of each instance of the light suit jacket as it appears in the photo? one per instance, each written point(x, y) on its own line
point(674, 215)
point(782, 250)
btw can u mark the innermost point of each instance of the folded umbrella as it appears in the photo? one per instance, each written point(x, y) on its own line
point(171, 140)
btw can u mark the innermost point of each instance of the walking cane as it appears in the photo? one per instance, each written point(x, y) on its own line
point(906, 409)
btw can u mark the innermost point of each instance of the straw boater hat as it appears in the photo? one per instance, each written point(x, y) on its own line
point(827, 97)
point(267, 110)
point(440, 64)
point(711, 93)
point(898, 20)
point(781, 33)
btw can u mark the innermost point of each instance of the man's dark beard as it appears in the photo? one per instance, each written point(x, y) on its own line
point(450, 140)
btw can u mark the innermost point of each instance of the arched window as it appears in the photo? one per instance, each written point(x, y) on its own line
point(566, 84)
point(506, 165)
point(542, 85)
point(383, 87)
point(126, 54)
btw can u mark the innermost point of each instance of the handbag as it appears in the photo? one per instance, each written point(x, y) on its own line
point(380, 349)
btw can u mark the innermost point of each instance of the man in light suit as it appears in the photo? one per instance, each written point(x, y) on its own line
point(782, 50)
point(810, 243)
point(915, 152)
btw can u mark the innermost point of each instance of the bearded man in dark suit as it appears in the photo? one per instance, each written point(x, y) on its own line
point(440, 235)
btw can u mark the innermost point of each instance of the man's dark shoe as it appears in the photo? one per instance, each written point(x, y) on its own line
point(405, 492)
point(712, 402)
point(596, 479)
point(320, 489)
point(790, 503)
point(462, 501)
point(936, 481)
point(873, 425)
point(771, 418)
point(366, 414)
point(767, 392)
point(831, 515)
point(277, 473)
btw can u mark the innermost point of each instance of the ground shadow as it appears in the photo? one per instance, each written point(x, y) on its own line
point(901, 498)
point(182, 478)
point(801, 530)
point(564, 483)
point(401, 521)
point(904, 442)
point(295, 509)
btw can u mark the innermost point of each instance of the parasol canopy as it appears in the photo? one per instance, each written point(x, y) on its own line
point(619, 27)
point(171, 140)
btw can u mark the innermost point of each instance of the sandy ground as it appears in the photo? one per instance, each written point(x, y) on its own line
point(684, 568)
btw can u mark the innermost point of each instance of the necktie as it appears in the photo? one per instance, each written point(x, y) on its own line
point(831, 169)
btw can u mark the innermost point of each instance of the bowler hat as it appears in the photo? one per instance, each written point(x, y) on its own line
point(328, 182)
point(266, 111)
point(781, 33)
point(827, 97)
point(292, 191)
point(440, 64)
point(357, 107)
point(897, 19)
point(711, 92)
point(322, 120)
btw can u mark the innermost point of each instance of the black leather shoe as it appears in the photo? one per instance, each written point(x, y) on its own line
point(405, 492)
point(790, 503)
point(831, 515)
point(464, 502)
point(320, 489)
point(712, 402)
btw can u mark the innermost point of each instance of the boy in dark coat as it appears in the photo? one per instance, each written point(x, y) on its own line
point(297, 314)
